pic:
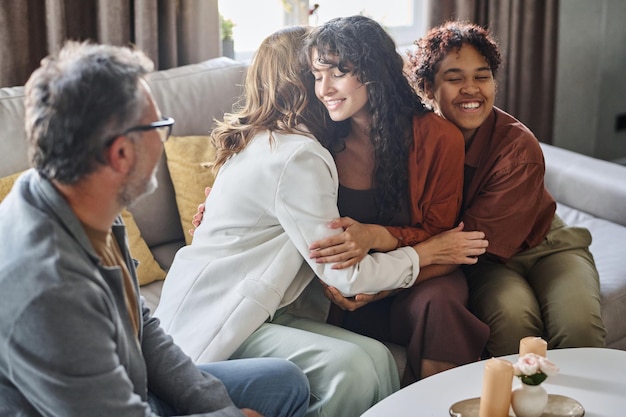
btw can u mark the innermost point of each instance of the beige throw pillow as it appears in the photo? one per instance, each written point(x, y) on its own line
point(187, 158)
point(149, 269)
point(6, 183)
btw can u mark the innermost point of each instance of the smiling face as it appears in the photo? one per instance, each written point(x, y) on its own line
point(342, 93)
point(464, 89)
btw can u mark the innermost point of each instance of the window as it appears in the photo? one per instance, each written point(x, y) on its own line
point(255, 19)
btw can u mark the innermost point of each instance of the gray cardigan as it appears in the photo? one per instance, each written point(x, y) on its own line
point(67, 346)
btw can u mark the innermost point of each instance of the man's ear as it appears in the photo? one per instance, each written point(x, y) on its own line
point(121, 154)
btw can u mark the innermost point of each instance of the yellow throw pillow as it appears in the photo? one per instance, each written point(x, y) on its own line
point(187, 158)
point(148, 270)
point(6, 183)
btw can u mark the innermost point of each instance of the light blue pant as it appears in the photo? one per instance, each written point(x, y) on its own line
point(347, 372)
point(273, 387)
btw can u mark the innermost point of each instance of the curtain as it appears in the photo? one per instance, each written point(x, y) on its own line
point(526, 31)
point(171, 32)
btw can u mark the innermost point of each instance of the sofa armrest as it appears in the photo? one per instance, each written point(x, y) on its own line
point(588, 184)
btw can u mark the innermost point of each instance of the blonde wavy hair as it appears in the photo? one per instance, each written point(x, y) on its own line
point(278, 96)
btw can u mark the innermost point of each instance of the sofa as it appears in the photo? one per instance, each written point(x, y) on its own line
point(590, 192)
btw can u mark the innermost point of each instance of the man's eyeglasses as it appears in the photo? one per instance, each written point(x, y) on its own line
point(163, 126)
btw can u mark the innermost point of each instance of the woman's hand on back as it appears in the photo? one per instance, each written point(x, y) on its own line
point(197, 218)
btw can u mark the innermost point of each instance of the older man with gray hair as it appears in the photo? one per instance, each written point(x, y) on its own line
point(75, 336)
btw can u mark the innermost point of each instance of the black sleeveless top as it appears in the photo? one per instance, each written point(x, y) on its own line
point(361, 206)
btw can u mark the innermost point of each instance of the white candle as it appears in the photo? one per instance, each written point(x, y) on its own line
point(532, 344)
point(495, 399)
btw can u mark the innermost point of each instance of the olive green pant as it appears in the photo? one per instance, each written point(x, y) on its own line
point(551, 291)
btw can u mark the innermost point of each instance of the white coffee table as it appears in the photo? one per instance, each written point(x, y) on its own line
point(594, 377)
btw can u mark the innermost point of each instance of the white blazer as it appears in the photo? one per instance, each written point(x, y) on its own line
point(250, 255)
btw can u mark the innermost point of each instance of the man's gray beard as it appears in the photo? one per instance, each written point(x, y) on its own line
point(131, 192)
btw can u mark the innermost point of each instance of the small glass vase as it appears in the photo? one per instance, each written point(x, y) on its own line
point(529, 400)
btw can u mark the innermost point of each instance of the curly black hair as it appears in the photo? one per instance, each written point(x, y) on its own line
point(439, 41)
point(361, 46)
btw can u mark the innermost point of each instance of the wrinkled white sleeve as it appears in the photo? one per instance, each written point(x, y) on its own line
point(306, 200)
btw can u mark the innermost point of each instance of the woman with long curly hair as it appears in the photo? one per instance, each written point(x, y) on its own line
point(400, 166)
point(227, 294)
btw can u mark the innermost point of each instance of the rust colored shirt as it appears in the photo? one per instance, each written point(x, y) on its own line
point(504, 193)
point(435, 179)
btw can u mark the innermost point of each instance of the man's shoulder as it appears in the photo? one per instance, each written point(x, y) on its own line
point(37, 247)
point(28, 229)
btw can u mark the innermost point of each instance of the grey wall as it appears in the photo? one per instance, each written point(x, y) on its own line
point(591, 78)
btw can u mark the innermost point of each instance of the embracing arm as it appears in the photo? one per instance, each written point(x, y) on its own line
point(435, 167)
point(306, 200)
point(517, 194)
point(442, 253)
point(353, 241)
point(304, 213)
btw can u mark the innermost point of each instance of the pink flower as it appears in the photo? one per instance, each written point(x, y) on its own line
point(533, 369)
point(547, 367)
point(526, 365)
